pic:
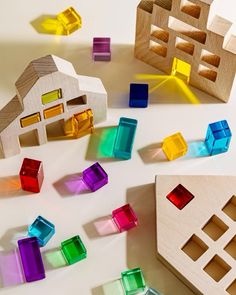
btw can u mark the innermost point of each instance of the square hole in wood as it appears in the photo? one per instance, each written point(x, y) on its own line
point(194, 247)
point(230, 208)
point(158, 48)
point(191, 8)
point(207, 73)
point(210, 58)
point(159, 33)
point(165, 4)
point(231, 248)
point(232, 288)
point(215, 228)
point(217, 268)
point(185, 46)
point(80, 100)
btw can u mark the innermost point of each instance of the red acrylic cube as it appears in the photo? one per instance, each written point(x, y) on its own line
point(124, 217)
point(31, 175)
point(180, 196)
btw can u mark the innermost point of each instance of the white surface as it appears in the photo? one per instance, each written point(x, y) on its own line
point(129, 181)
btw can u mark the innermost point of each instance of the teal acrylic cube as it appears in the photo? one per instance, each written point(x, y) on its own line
point(218, 137)
point(125, 138)
point(42, 229)
point(73, 250)
point(133, 281)
point(152, 291)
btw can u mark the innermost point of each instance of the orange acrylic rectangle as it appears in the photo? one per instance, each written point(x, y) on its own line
point(29, 120)
point(53, 111)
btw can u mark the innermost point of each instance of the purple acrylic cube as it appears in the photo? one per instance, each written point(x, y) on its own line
point(31, 259)
point(95, 177)
point(101, 49)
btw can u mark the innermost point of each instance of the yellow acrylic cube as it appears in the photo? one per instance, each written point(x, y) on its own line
point(70, 20)
point(174, 146)
point(80, 124)
point(181, 69)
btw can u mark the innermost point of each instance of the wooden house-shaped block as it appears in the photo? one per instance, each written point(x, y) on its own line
point(180, 28)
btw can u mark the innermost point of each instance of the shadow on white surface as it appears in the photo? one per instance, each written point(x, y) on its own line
point(12, 235)
point(53, 259)
point(141, 243)
point(197, 149)
point(152, 153)
point(10, 187)
point(110, 288)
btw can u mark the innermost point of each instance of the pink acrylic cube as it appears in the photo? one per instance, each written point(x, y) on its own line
point(31, 175)
point(101, 49)
point(125, 218)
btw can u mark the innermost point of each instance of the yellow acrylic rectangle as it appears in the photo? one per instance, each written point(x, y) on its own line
point(51, 96)
point(70, 20)
point(53, 111)
point(29, 120)
point(181, 69)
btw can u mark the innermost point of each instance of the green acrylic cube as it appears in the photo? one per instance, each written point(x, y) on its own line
point(133, 281)
point(73, 250)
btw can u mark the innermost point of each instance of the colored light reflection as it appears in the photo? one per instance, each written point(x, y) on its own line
point(105, 226)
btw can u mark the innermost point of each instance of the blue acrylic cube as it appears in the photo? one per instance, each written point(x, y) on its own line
point(125, 138)
point(152, 291)
point(218, 137)
point(138, 97)
point(42, 229)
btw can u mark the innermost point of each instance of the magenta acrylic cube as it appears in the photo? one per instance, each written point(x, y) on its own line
point(95, 177)
point(101, 49)
point(31, 175)
point(125, 218)
point(31, 259)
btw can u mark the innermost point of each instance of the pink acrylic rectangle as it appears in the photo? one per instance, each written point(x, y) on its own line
point(125, 218)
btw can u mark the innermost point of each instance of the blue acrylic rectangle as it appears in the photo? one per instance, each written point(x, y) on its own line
point(138, 96)
point(42, 229)
point(125, 138)
point(218, 137)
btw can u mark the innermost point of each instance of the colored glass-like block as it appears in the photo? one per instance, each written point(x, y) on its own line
point(152, 291)
point(73, 250)
point(42, 229)
point(181, 69)
point(31, 175)
point(70, 20)
point(174, 146)
point(31, 259)
point(80, 124)
point(180, 196)
point(218, 137)
point(133, 281)
point(101, 49)
point(29, 120)
point(125, 138)
point(53, 111)
point(51, 96)
point(125, 217)
point(138, 96)
point(95, 177)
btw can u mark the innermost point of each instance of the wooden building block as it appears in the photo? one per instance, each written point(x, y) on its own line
point(196, 236)
point(179, 29)
point(49, 90)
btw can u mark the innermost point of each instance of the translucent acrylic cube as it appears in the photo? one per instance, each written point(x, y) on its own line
point(125, 218)
point(42, 229)
point(101, 49)
point(181, 69)
point(70, 20)
point(95, 177)
point(138, 96)
point(73, 250)
point(180, 196)
point(133, 281)
point(218, 137)
point(174, 146)
point(31, 175)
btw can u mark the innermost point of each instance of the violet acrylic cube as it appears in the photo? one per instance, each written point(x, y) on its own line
point(95, 177)
point(31, 259)
point(125, 218)
point(101, 49)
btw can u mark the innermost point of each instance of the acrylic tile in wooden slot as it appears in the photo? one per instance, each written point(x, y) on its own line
point(29, 120)
point(198, 243)
point(53, 111)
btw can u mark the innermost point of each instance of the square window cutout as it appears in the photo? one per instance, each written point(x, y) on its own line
point(217, 268)
point(191, 8)
point(231, 248)
point(194, 248)
point(215, 228)
point(230, 208)
point(232, 288)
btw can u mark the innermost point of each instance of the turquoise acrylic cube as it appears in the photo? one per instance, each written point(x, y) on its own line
point(152, 291)
point(133, 281)
point(42, 229)
point(218, 137)
point(125, 138)
point(73, 250)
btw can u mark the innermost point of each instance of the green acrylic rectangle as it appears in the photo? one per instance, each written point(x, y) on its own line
point(51, 96)
point(73, 250)
point(133, 281)
point(125, 138)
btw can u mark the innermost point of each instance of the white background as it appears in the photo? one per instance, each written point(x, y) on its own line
point(129, 181)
